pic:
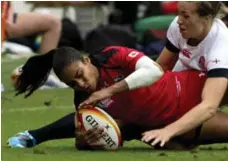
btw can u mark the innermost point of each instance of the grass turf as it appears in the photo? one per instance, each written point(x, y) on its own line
point(19, 114)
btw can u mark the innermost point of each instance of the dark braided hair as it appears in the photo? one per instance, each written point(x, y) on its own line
point(37, 68)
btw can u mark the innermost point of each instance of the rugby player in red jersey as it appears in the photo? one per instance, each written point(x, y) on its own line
point(129, 85)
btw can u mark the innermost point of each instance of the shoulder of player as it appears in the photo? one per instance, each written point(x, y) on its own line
point(219, 41)
point(219, 31)
point(174, 25)
point(110, 51)
point(117, 48)
point(120, 49)
point(112, 48)
point(173, 33)
point(217, 38)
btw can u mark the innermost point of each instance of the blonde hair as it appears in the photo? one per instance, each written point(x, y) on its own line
point(222, 12)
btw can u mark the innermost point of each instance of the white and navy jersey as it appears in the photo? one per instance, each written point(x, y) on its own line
point(210, 55)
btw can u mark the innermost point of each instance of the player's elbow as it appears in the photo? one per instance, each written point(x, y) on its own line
point(159, 73)
point(156, 72)
point(153, 75)
point(211, 109)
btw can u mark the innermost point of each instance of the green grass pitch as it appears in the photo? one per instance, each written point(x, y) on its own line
point(20, 114)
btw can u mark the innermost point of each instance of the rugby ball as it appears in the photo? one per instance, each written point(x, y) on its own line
point(92, 117)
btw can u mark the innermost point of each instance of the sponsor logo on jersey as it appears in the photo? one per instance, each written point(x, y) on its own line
point(133, 54)
point(118, 78)
point(202, 74)
point(178, 85)
point(106, 85)
point(186, 53)
point(105, 103)
point(202, 63)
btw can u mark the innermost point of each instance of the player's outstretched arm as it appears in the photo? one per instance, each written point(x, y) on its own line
point(213, 92)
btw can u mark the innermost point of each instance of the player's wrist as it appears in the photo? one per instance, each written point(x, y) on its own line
point(171, 130)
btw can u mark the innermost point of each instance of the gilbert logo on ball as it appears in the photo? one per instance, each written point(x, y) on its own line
point(92, 117)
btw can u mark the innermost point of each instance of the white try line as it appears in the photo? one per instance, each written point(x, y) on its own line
point(36, 108)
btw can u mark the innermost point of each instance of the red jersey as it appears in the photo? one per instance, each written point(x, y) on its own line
point(157, 105)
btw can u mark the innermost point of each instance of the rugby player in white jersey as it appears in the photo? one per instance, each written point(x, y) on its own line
point(196, 39)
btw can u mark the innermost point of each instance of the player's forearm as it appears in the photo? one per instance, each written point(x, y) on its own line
point(143, 77)
point(167, 59)
point(118, 88)
point(140, 78)
point(203, 111)
point(192, 119)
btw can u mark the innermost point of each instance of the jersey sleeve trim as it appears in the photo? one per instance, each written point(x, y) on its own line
point(171, 47)
point(219, 72)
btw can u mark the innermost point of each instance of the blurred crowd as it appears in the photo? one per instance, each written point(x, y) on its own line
point(138, 24)
point(42, 32)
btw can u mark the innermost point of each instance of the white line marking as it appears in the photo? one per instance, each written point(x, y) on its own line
point(36, 108)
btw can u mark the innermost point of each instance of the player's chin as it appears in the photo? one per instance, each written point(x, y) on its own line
point(185, 36)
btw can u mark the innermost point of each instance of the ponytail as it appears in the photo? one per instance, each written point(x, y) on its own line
point(34, 73)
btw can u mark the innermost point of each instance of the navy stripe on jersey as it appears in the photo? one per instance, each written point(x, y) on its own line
point(102, 57)
point(171, 47)
point(220, 72)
